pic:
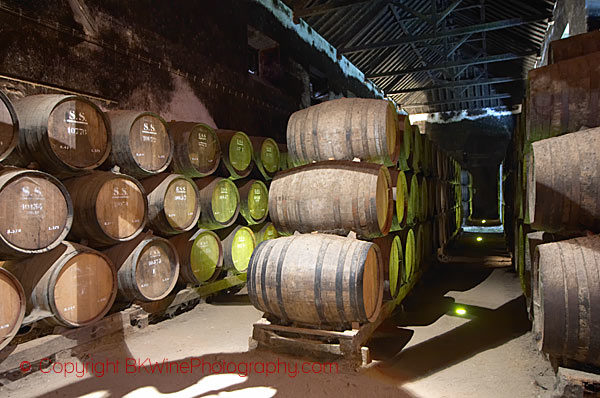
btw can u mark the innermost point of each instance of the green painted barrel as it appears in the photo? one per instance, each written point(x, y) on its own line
point(206, 256)
point(409, 256)
point(254, 201)
point(266, 156)
point(423, 199)
point(419, 247)
point(396, 270)
point(264, 232)
point(417, 150)
point(237, 154)
point(401, 198)
point(407, 145)
point(238, 245)
point(412, 211)
point(220, 202)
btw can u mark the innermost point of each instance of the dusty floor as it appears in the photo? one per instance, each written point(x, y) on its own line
point(427, 350)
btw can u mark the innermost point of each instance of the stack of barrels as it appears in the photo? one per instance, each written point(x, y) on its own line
point(103, 209)
point(552, 205)
point(359, 223)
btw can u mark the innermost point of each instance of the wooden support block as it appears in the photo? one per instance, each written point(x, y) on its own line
point(573, 383)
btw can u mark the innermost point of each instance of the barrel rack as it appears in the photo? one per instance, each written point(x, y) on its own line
point(347, 344)
point(38, 349)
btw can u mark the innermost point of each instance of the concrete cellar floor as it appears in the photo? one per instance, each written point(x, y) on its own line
point(427, 350)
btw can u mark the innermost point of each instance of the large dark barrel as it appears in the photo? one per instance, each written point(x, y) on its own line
point(236, 154)
point(141, 144)
point(197, 152)
point(254, 201)
point(264, 232)
point(9, 127)
point(148, 268)
point(345, 129)
point(71, 285)
point(200, 255)
point(266, 157)
point(239, 243)
point(317, 279)
point(36, 212)
point(172, 203)
point(64, 134)
point(12, 307)
point(333, 197)
point(108, 208)
point(569, 289)
point(563, 183)
point(219, 200)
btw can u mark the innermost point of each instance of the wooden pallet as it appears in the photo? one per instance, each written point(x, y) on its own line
point(576, 383)
point(319, 343)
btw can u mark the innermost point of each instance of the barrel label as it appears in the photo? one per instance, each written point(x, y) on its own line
point(32, 200)
point(13, 231)
point(78, 123)
point(240, 144)
point(4, 326)
point(140, 154)
point(149, 132)
point(202, 140)
point(182, 193)
point(53, 227)
point(120, 197)
point(69, 308)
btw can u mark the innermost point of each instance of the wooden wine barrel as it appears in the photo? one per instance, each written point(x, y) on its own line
point(238, 245)
point(9, 128)
point(148, 268)
point(36, 211)
point(200, 256)
point(197, 152)
point(108, 208)
point(141, 144)
point(569, 289)
point(334, 197)
point(264, 232)
point(392, 255)
point(172, 203)
point(426, 152)
point(219, 201)
point(412, 211)
point(431, 202)
point(563, 183)
point(254, 200)
point(407, 237)
point(406, 145)
point(236, 154)
point(12, 307)
point(400, 195)
point(338, 281)
point(64, 134)
point(71, 285)
point(417, 151)
point(344, 129)
point(266, 157)
point(423, 196)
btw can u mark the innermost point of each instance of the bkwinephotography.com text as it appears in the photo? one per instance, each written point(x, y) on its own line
point(148, 366)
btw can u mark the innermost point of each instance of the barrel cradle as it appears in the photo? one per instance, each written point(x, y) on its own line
point(12, 306)
point(108, 208)
point(36, 212)
point(172, 203)
point(345, 129)
point(64, 134)
point(147, 266)
point(71, 286)
point(333, 197)
point(254, 201)
point(317, 279)
point(200, 255)
point(236, 154)
point(141, 144)
point(197, 152)
point(219, 200)
point(9, 127)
